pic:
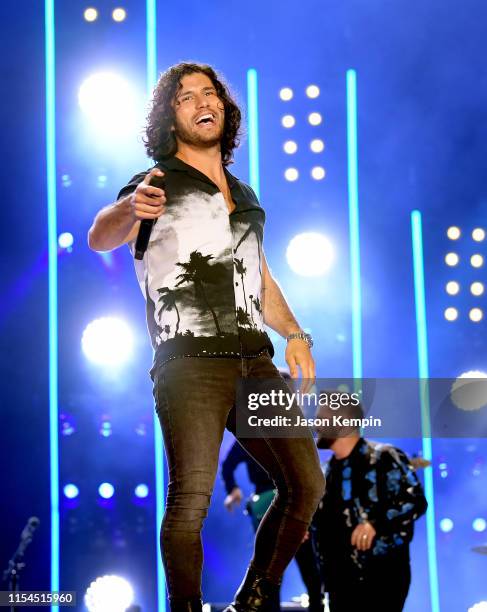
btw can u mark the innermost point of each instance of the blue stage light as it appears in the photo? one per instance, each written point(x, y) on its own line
point(109, 102)
point(107, 341)
point(141, 490)
point(71, 491)
point(479, 524)
point(310, 254)
point(106, 490)
point(109, 594)
point(65, 240)
point(446, 525)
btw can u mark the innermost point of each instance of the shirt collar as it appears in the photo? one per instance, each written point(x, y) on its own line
point(174, 163)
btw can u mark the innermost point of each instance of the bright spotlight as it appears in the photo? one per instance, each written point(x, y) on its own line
point(109, 594)
point(71, 491)
point(479, 607)
point(476, 314)
point(453, 232)
point(317, 145)
point(478, 234)
point(310, 254)
point(65, 240)
point(291, 174)
point(290, 147)
point(90, 14)
point(106, 490)
point(452, 288)
point(479, 524)
point(446, 525)
point(288, 121)
point(119, 14)
point(315, 118)
point(477, 260)
point(318, 173)
point(107, 341)
point(451, 259)
point(141, 490)
point(451, 314)
point(109, 102)
point(312, 91)
point(477, 288)
point(469, 391)
point(286, 94)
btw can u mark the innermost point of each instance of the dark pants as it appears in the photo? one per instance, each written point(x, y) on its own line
point(195, 402)
point(383, 586)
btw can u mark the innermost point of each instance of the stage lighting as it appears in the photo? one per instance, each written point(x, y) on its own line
point(446, 525)
point(479, 607)
point(290, 147)
point(291, 174)
point(286, 94)
point(65, 240)
point(318, 173)
point(479, 524)
point(312, 91)
point(106, 490)
point(141, 490)
point(119, 14)
point(476, 314)
point(101, 181)
point(452, 287)
point(67, 426)
point(315, 118)
point(453, 232)
point(107, 341)
point(469, 391)
point(451, 314)
point(477, 288)
point(71, 491)
point(477, 260)
point(310, 254)
point(90, 14)
point(317, 145)
point(109, 103)
point(109, 594)
point(106, 428)
point(451, 259)
point(478, 234)
point(66, 180)
point(288, 121)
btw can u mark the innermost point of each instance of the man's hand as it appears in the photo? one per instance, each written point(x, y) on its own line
point(233, 499)
point(298, 355)
point(363, 536)
point(147, 202)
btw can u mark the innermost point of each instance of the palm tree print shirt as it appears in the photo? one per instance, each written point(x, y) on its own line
point(201, 275)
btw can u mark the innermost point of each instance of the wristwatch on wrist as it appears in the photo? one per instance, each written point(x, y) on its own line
point(301, 336)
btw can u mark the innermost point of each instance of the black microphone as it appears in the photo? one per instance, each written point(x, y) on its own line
point(146, 225)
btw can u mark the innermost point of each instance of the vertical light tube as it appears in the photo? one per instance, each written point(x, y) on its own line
point(423, 368)
point(50, 60)
point(158, 444)
point(354, 228)
point(253, 130)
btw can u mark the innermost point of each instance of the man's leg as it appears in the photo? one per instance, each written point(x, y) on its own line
point(193, 398)
point(294, 466)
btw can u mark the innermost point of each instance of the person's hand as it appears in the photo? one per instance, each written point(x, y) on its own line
point(147, 201)
point(233, 499)
point(298, 355)
point(363, 536)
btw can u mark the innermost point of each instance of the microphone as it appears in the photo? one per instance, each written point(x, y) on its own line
point(146, 225)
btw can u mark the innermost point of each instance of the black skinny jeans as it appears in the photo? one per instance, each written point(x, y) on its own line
point(195, 402)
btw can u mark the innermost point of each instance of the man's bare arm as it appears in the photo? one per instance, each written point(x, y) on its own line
point(276, 311)
point(119, 223)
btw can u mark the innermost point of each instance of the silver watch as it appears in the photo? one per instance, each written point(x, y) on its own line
point(301, 336)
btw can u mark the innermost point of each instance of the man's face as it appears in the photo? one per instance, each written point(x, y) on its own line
point(199, 112)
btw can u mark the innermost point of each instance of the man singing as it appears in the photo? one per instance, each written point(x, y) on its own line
point(209, 293)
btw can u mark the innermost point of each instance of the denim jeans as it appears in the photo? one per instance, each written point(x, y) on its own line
point(195, 402)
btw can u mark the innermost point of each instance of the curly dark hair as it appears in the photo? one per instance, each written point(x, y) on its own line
point(160, 141)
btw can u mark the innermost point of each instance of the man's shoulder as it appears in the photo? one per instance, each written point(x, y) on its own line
point(385, 452)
